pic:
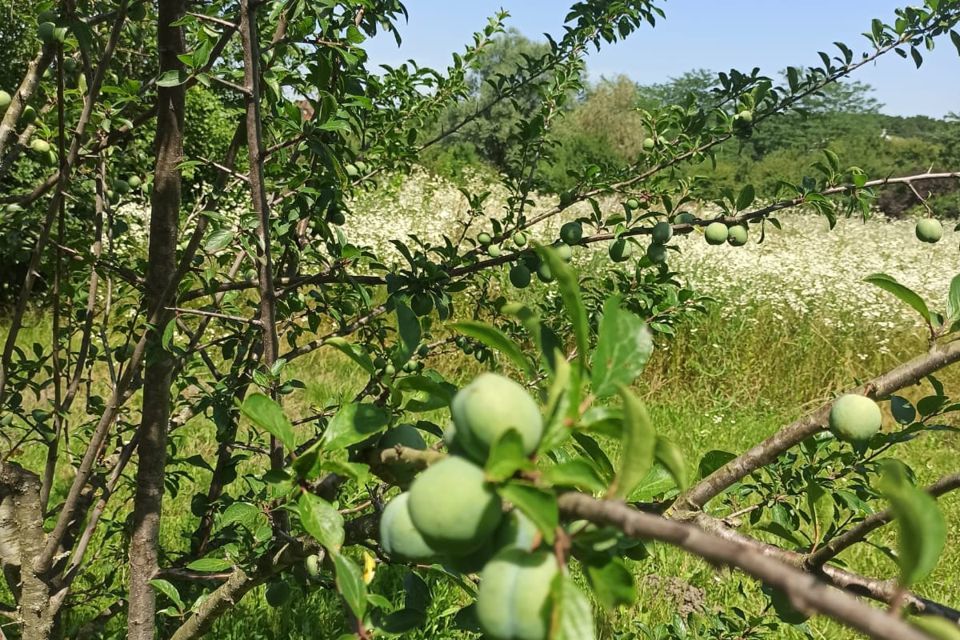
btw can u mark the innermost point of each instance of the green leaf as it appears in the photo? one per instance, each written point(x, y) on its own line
point(546, 341)
point(612, 583)
point(562, 398)
point(321, 521)
point(821, 507)
point(903, 293)
point(922, 529)
point(623, 349)
point(903, 412)
point(243, 513)
point(350, 584)
point(956, 39)
point(574, 473)
point(935, 626)
point(538, 505)
point(409, 327)
point(953, 301)
point(637, 448)
point(572, 614)
point(431, 393)
point(168, 590)
point(353, 351)
point(166, 341)
point(507, 457)
point(746, 197)
point(669, 455)
point(496, 339)
point(572, 299)
point(172, 78)
point(265, 413)
point(354, 423)
point(210, 565)
point(219, 240)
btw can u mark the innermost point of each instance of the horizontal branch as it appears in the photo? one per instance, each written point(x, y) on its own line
point(873, 522)
point(806, 592)
point(770, 449)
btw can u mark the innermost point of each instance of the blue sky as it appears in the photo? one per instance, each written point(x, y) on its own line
point(716, 35)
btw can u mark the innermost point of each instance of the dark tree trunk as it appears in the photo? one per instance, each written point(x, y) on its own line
point(161, 271)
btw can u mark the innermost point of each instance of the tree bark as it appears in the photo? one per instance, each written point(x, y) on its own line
point(159, 363)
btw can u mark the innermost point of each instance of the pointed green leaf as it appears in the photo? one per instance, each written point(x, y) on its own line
point(409, 327)
point(638, 446)
point(353, 351)
point(953, 301)
point(538, 505)
point(350, 584)
point(905, 294)
point(612, 583)
point(321, 521)
point(922, 529)
point(623, 349)
point(572, 614)
point(746, 197)
point(354, 423)
point(506, 457)
point(669, 455)
point(496, 339)
point(572, 299)
point(821, 507)
point(265, 413)
point(168, 590)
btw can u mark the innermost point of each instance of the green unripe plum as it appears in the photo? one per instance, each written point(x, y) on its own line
point(410, 366)
point(423, 350)
point(379, 362)
point(313, 566)
point(493, 251)
point(277, 594)
point(929, 230)
point(121, 187)
point(403, 435)
point(567, 198)
point(649, 144)
point(657, 253)
point(453, 507)
point(633, 204)
point(490, 406)
point(544, 273)
point(520, 276)
point(685, 218)
point(421, 303)
point(389, 370)
point(564, 251)
point(571, 232)
point(662, 232)
point(716, 233)
point(39, 146)
point(855, 418)
point(398, 535)
point(336, 217)
point(352, 170)
point(134, 182)
point(484, 238)
point(737, 235)
point(620, 250)
point(520, 239)
point(46, 31)
point(745, 116)
point(137, 12)
point(513, 601)
point(5, 100)
point(28, 115)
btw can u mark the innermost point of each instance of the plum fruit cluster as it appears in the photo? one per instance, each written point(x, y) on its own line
point(452, 515)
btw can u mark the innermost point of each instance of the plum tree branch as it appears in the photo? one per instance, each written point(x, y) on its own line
point(859, 532)
point(762, 454)
point(806, 592)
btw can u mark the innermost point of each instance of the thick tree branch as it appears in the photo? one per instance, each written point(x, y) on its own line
point(161, 272)
point(770, 449)
point(874, 521)
point(806, 592)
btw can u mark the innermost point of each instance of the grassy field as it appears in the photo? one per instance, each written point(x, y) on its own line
point(792, 324)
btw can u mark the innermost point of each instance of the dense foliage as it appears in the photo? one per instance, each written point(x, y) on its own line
point(185, 227)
